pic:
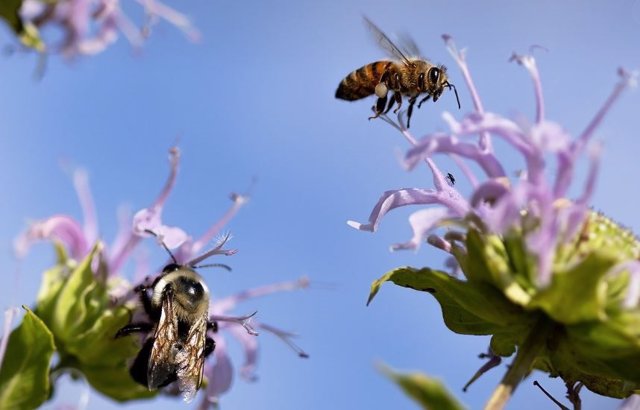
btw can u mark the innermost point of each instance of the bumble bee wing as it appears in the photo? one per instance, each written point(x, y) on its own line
point(190, 360)
point(162, 365)
point(384, 42)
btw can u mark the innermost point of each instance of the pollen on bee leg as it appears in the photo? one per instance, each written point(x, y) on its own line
point(381, 90)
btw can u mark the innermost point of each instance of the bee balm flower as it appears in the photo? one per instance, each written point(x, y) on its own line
point(544, 274)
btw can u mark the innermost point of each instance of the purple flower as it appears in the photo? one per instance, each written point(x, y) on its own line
point(550, 280)
point(533, 203)
point(89, 26)
point(220, 372)
point(78, 239)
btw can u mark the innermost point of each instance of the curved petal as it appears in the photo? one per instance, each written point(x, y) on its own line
point(448, 144)
point(238, 202)
point(223, 305)
point(61, 228)
point(249, 344)
point(528, 62)
point(490, 191)
point(422, 222)
point(395, 199)
point(83, 190)
point(219, 374)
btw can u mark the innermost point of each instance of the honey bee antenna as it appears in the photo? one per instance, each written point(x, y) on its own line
point(450, 86)
point(150, 232)
point(213, 265)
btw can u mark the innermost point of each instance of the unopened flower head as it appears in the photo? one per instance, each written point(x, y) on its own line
point(545, 251)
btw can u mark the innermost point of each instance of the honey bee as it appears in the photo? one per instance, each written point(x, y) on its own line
point(408, 75)
point(177, 305)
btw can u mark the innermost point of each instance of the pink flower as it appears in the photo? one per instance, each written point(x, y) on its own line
point(90, 26)
point(498, 203)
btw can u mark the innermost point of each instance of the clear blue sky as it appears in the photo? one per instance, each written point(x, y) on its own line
point(256, 98)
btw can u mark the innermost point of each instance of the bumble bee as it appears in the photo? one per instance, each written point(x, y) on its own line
point(177, 304)
point(408, 75)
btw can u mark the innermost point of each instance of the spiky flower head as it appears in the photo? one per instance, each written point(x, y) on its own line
point(85, 298)
point(544, 274)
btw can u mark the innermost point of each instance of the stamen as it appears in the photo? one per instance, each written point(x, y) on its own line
point(286, 338)
point(529, 63)
point(241, 320)
point(215, 251)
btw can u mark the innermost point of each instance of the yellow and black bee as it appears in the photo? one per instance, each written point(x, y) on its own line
point(408, 75)
point(177, 304)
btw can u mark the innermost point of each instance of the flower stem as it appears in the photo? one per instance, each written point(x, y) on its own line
point(522, 364)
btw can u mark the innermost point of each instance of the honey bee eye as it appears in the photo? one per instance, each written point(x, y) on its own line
point(421, 79)
point(434, 75)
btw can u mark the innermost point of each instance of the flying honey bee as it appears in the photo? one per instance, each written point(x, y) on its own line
point(408, 75)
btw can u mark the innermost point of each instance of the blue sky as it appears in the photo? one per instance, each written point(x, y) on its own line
point(255, 98)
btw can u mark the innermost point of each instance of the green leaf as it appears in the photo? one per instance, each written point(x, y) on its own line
point(578, 294)
point(24, 377)
point(9, 12)
point(467, 307)
point(429, 392)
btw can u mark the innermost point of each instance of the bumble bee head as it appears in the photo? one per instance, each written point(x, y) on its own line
point(187, 288)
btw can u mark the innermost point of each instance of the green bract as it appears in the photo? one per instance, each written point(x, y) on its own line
point(583, 331)
point(75, 311)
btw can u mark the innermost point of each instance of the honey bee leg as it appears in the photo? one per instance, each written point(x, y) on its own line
point(134, 328)
point(209, 346)
point(395, 98)
point(398, 98)
point(391, 102)
point(423, 100)
point(379, 107)
point(412, 102)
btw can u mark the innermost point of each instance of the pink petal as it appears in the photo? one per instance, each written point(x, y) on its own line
point(62, 228)
point(422, 222)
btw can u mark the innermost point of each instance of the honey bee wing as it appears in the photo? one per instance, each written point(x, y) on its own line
point(409, 46)
point(386, 43)
point(190, 361)
point(162, 365)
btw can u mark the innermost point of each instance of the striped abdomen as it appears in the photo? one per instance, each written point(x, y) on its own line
point(362, 82)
